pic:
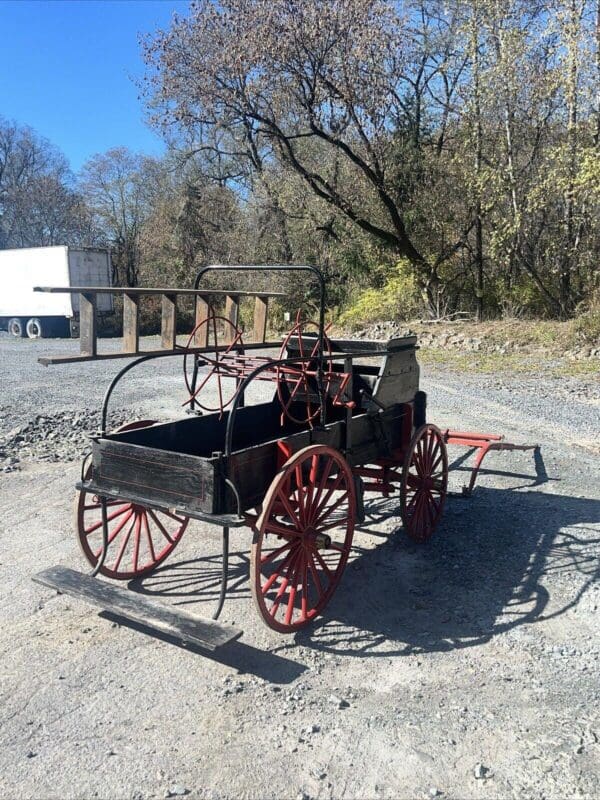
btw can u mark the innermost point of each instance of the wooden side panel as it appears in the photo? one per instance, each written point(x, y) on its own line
point(232, 312)
point(260, 318)
point(87, 325)
point(375, 435)
point(252, 470)
point(171, 480)
point(131, 336)
point(202, 311)
point(398, 380)
point(169, 321)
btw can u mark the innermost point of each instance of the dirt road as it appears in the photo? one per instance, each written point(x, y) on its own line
point(468, 668)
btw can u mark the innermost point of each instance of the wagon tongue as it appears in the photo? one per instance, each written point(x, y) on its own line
point(199, 631)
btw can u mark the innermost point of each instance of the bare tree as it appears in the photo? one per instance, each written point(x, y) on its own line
point(38, 203)
point(277, 76)
point(114, 187)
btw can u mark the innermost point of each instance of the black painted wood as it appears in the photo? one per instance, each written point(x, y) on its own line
point(174, 465)
point(205, 633)
point(168, 478)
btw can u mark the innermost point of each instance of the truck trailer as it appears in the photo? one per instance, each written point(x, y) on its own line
point(24, 312)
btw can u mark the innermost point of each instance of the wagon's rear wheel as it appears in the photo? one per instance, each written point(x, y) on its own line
point(424, 483)
point(303, 538)
point(139, 537)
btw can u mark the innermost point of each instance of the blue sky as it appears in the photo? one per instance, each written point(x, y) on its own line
point(67, 70)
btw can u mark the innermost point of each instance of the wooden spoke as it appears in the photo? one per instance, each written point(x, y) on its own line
point(424, 483)
point(292, 583)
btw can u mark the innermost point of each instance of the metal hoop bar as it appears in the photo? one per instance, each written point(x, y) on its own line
point(224, 574)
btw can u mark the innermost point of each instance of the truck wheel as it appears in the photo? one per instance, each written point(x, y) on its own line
point(34, 328)
point(15, 328)
point(74, 328)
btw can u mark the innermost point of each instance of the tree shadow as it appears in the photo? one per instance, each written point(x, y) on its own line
point(195, 579)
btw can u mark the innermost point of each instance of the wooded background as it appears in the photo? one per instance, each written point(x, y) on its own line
point(432, 157)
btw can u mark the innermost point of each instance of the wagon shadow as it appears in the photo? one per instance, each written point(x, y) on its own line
point(191, 580)
point(481, 575)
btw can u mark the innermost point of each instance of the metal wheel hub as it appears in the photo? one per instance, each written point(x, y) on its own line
point(312, 539)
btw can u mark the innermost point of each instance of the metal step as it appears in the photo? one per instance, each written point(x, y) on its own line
point(205, 633)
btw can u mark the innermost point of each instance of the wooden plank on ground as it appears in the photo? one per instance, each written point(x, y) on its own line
point(205, 633)
point(131, 336)
point(168, 327)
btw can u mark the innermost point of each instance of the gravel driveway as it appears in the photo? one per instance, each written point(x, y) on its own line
point(466, 668)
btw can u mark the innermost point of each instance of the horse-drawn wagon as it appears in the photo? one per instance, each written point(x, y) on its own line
point(345, 418)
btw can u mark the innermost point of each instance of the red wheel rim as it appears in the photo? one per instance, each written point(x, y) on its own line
point(139, 537)
point(296, 375)
point(217, 367)
point(303, 538)
point(424, 483)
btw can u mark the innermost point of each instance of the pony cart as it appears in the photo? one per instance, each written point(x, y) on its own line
point(344, 418)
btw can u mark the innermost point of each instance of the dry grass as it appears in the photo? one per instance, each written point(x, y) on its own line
point(495, 363)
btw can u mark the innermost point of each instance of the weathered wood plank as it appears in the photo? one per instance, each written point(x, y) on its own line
point(232, 312)
point(170, 479)
point(260, 318)
point(152, 290)
point(168, 327)
point(205, 633)
point(202, 311)
point(73, 359)
point(87, 325)
point(131, 336)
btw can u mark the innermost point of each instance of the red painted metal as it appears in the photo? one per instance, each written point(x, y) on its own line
point(218, 364)
point(482, 443)
point(303, 537)
point(298, 378)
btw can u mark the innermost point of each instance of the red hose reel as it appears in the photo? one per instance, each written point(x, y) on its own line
point(297, 384)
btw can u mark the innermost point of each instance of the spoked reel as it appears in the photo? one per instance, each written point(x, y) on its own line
point(298, 387)
point(221, 365)
point(302, 386)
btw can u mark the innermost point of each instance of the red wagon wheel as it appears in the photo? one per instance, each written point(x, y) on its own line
point(303, 538)
point(217, 368)
point(295, 377)
point(424, 483)
point(139, 537)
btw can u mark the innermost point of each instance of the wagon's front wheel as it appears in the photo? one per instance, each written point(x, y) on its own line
point(424, 483)
point(303, 538)
point(139, 537)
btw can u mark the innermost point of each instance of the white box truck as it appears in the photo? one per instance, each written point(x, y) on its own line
point(24, 312)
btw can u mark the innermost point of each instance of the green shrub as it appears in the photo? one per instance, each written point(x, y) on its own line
point(398, 299)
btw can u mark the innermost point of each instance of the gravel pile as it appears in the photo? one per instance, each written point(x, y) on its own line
point(62, 436)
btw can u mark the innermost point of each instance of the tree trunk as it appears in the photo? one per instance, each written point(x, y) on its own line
point(566, 294)
point(478, 161)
